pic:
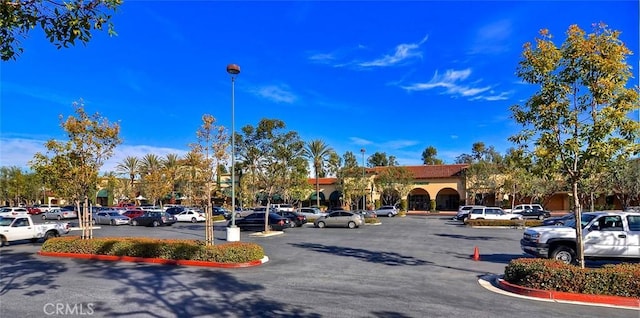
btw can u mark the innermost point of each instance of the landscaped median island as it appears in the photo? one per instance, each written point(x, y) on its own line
point(620, 280)
point(161, 251)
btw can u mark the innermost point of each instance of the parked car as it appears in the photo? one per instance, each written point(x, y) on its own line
point(13, 211)
point(111, 218)
point(34, 210)
point(175, 210)
point(492, 213)
point(606, 235)
point(533, 214)
point(16, 228)
point(558, 220)
point(340, 218)
point(296, 219)
point(311, 213)
point(133, 213)
point(386, 210)
point(523, 207)
point(59, 214)
point(366, 213)
point(463, 211)
point(283, 207)
point(218, 210)
point(154, 218)
point(190, 215)
point(255, 221)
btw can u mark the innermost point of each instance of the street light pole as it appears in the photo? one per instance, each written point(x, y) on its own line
point(364, 194)
point(233, 232)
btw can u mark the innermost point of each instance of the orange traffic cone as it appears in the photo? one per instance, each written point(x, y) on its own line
point(476, 254)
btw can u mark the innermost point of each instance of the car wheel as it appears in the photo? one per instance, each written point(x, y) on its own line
point(155, 224)
point(49, 235)
point(3, 241)
point(94, 222)
point(59, 218)
point(134, 223)
point(44, 217)
point(194, 220)
point(564, 254)
point(390, 214)
point(540, 217)
point(321, 225)
point(352, 225)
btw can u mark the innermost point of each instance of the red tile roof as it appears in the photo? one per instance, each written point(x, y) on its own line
point(431, 171)
point(322, 181)
point(419, 172)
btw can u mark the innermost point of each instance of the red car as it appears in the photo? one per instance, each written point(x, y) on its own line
point(33, 210)
point(133, 213)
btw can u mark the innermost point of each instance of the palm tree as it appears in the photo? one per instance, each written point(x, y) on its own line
point(319, 153)
point(130, 166)
point(171, 163)
point(150, 162)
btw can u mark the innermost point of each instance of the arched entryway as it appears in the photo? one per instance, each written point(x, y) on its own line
point(447, 199)
point(418, 200)
point(313, 201)
point(335, 199)
point(389, 197)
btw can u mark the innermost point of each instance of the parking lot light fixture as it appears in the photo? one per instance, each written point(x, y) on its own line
point(233, 70)
point(364, 193)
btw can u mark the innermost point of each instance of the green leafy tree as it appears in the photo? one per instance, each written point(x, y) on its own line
point(579, 118)
point(429, 156)
point(63, 22)
point(395, 184)
point(210, 150)
point(319, 153)
point(624, 180)
point(74, 165)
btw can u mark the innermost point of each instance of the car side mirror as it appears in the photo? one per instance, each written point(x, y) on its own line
point(594, 227)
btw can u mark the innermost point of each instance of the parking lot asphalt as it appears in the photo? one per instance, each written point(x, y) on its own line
point(416, 266)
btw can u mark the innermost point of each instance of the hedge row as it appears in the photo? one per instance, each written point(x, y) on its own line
point(236, 252)
point(513, 223)
point(616, 280)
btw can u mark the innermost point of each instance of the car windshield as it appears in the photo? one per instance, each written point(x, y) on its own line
point(5, 221)
point(584, 221)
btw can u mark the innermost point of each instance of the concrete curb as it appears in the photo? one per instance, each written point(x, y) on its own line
point(155, 260)
point(268, 234)
point(496, 284)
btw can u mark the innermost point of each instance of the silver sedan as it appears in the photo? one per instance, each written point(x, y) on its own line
point(112, 218)
point(339, 219)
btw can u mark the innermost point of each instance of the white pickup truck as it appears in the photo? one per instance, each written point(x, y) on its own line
point(23, 228)
point(606, 235)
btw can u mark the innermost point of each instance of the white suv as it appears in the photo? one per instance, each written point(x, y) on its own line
point(492, 213)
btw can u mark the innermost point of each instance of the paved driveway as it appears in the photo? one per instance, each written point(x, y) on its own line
point(415, 266)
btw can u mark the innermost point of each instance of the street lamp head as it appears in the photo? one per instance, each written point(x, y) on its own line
point(362, 150)
point(233, 69)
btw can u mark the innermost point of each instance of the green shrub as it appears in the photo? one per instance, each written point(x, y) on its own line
point(404, 205)
point(546, 274)
point(513, 223)
point(432, 205)
point(157, 248)
point(371, 220)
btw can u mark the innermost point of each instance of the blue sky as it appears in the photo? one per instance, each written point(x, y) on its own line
point(393, 77)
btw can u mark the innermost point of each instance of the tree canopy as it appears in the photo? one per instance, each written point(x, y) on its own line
point(63, 22)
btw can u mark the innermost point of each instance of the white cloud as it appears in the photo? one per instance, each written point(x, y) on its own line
point(278, 94)
point(360, 141)
point(403, 52)
point(398, 144)
point(451, 82)
point(19, 151)
point(322, 57)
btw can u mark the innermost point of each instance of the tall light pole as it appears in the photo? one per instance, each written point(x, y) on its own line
point(233, 232)
point(364, 193)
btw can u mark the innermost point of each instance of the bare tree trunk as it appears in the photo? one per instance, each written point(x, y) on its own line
point(578, 215)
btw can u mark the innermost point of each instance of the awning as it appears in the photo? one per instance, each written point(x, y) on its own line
point(104, 193)
point(313, 197)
